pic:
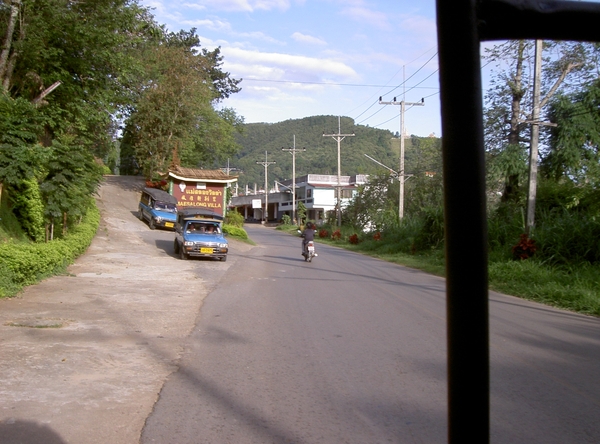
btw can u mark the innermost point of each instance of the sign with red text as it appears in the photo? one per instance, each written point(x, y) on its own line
point(199, 195)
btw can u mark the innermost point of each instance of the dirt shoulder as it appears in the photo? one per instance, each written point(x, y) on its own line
point(84, 355)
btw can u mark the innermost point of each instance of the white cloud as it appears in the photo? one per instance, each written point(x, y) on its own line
point(195, 6)
point(211, 24)
point(365, 15)
point(298, 67)
point(258, 35)
point(239, 5)
point(303, 38)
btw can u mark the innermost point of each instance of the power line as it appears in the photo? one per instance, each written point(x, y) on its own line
point(415, 73)
point(393, 117)
point(359, 85)
point(402, 84)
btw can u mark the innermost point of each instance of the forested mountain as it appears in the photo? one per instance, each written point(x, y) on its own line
point(320, 156)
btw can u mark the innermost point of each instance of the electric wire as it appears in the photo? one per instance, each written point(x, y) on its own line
point(387, 85)
point(395, 88)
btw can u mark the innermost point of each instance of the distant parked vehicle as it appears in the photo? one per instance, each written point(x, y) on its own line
point(199, 232)
point(158, 207)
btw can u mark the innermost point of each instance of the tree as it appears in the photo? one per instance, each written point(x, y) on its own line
point(574, 148)
point(223, 84)
point(175, 115)
point(21, 156)
point(72, 177)
point(375, 206)
point(87, 49)
point(508, 103)
point(67, 68)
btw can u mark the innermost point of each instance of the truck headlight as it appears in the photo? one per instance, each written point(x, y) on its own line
point(188, 244)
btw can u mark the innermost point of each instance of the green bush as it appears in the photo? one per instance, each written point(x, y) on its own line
point(27, 263)
point(234, 219)
point(28, 207)
point(10, 228)
point(568, 238)
point(234, 231)
point(431, 234)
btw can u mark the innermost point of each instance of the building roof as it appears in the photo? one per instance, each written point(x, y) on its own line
point(327, 180)
point(198, 175)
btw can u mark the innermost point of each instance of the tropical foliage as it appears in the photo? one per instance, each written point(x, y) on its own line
point(72, 75)
point(320, 155)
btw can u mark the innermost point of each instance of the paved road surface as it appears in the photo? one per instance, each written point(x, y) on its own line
point(267, 348)
point(351, 349)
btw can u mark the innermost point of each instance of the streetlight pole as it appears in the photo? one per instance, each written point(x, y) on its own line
point(266, 164)
point(339, 137)
point(293, 151)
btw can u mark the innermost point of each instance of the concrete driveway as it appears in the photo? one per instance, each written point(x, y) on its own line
point(84, 355)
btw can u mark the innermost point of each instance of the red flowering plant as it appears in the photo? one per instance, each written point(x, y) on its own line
point(354, 239)
point(323, 233)
point(336, 235)
point(377, 236)
point(525, 248)
point(160, 184)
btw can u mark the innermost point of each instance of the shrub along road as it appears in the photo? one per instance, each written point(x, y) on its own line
point(84, 355)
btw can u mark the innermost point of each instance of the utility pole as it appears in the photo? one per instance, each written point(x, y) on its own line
point(266, 164)
point(293, 151)
point(228, 169)
point(339, 137)
point(535, 134)
point(401, 176)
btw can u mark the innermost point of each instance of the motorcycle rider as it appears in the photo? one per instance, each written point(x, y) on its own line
point(308, 235)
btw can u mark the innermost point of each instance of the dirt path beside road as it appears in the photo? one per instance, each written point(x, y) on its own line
point(84, 355)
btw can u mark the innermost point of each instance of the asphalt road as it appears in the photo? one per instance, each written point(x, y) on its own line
point(350, 349)
point(133, 344)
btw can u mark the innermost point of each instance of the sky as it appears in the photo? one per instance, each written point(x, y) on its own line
point(301, 58)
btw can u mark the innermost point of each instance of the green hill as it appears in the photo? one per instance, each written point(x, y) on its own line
point(320, 156)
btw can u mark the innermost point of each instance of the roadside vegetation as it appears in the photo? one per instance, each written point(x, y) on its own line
point(24, 262)
point(554, 260)
point(112, 91)
point(233, 227)
point(108, 91)
point(571, 285)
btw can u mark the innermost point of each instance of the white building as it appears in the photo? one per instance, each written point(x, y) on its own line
point(316, 191)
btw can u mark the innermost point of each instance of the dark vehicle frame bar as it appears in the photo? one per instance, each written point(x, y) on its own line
point(462, 25)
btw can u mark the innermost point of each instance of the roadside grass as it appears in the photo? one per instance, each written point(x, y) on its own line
point(574, 287)
point(237, 233)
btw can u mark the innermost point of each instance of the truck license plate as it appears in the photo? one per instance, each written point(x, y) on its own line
point(206, 250)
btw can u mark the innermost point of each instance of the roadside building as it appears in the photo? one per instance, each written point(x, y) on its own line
point(316, 191)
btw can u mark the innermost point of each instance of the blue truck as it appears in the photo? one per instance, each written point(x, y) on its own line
point(158, 207)
point(199, 233)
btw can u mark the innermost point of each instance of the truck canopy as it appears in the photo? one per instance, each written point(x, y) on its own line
point(197, 213)
point(160, 195)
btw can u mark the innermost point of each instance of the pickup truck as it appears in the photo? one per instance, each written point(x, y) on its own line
point(158, 207)
point(199, 233)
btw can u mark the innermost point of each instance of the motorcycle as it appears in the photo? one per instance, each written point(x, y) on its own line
point(309, 251)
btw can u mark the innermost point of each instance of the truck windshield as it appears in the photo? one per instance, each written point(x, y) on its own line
point(165, 207)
